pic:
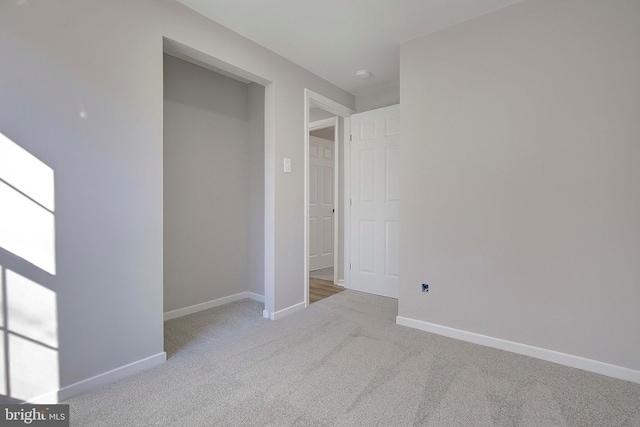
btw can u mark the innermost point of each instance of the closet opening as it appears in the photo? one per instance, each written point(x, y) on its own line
point(213, 191)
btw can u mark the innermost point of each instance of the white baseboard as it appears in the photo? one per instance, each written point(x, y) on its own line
point(210, 304)
point(255, 297)
point(284, 312)
point(99, 380)
point(341, 282)
point(524, 349)
point(287, 311)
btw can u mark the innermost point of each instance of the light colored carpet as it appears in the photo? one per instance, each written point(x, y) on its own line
point(344, 362)
point(323, 273)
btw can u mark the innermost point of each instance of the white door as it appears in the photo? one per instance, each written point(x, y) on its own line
point(374, 219)
point(321, 160)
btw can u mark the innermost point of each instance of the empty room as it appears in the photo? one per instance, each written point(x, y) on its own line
point(178, 177)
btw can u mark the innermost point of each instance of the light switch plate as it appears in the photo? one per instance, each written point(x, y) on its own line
point(287, 165)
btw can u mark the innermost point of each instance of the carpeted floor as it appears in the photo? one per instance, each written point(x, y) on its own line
point(344, 362)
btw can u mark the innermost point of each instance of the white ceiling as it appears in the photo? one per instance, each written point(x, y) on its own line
point(336, 38)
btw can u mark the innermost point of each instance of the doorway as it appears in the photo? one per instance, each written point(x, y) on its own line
point(322, 115)
point(324, 181)
point(323, 201)
point(213, 186)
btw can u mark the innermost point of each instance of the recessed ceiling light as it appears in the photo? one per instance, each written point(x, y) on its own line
point(364, 74)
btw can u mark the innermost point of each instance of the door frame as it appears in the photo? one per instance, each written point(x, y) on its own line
point(323, 124)
point(313, 98)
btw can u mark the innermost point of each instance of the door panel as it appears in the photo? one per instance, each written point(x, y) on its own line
point(321, 169)
point(313, 184)
point(391, 248)
point(367, 246)
point(327, 187)
point(367, 182)
point(375, 199)
point(313, 237)
point(327, 238)
point(392, 188)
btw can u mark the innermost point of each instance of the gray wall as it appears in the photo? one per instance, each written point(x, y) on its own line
point(379, 96)
point(208, 172)
point(319, 114)
point(63, 57)
point(519, 180)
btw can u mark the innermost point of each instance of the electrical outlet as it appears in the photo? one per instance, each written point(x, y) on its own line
point(425, 287)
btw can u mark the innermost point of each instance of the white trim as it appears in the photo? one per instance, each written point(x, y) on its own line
point(287, 311)
point(100, 380)
point(323, 124)
point(269, 197)
point(255, 297)
point(347, 204)
point(189, 54)
point(327, 104)
point(305, 246)
point(284, 312)
point(527, 350)
point(341, 282)
point(336, 198)
point(210, 304)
